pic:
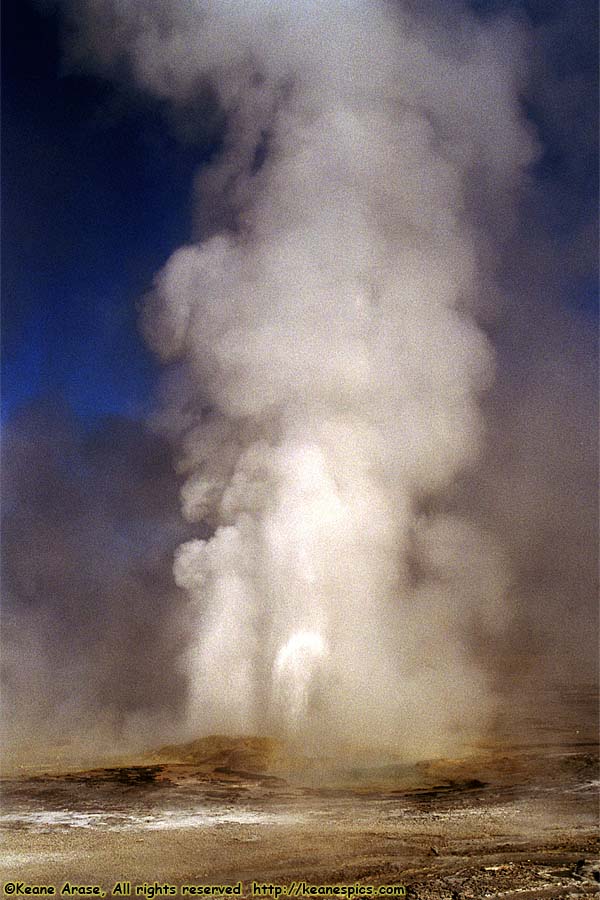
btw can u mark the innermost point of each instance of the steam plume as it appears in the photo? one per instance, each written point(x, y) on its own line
point(327, 319)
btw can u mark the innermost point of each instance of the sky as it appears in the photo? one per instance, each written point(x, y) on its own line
point(173, 354)
point(96, 196)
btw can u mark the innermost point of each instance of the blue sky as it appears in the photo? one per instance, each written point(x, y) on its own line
point(96, 195)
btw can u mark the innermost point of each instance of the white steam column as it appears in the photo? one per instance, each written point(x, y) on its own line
point(296, 678)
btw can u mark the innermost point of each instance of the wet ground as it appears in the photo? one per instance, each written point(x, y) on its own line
point(512, 820)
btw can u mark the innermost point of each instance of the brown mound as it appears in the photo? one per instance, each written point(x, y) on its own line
point(251, 755)
point(242, 753)
point(265, 756)
point(361, 771)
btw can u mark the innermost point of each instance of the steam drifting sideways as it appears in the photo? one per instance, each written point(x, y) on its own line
point(326, 321)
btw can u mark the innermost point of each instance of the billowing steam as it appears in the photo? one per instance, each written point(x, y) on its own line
point(327, 320)
point(327, 324)
point(328, 327)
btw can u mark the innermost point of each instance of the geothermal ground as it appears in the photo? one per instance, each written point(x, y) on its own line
point(514, 818)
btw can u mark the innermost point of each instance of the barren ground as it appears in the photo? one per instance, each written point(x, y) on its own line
point(515, 819)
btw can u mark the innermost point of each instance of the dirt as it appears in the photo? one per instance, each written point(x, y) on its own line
point(511, 820)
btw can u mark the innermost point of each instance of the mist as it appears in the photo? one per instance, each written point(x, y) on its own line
point(91, 619)
point(380, 405)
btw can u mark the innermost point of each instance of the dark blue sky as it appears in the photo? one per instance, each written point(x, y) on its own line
point(96, 195)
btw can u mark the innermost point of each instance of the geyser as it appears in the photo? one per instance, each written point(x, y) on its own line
point(358, 462)
point(327, 325)
point(331, 362)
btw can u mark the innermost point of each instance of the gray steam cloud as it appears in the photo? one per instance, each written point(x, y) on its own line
point(380, 409)
point(91, 620)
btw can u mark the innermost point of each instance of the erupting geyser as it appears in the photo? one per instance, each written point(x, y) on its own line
point(332, 361)
point(325, 317)
point(363, 510)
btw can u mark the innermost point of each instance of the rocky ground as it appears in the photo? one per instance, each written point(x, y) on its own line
point(513, 820)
